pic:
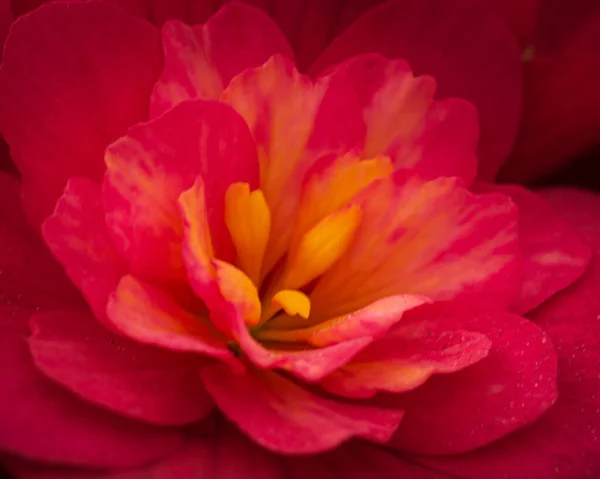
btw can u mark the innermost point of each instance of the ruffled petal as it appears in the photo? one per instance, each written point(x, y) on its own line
point(435, 138)
point(463, 44)
point(200, 61)
point(137, 381)
point(553, 255)
point(286, 418)
point(150, 167)
point(563, 443)
point(74, 77)
point(507, 390)
point(77, 236)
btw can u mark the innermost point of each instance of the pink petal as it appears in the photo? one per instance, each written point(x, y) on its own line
point(563, 443)
point(31, 278)
point(430, 238)
point(150, 315)
point(511, 388)
point(285, 418)
point(40, 420)
point(137, 381)
point(463, 44)
point(436, 138)
point(150, 167)
point(294, 122)
point(200, 61)
point(74, 77)
point(407, 355)
point(553, 255)
point(561, 111)
point(77, 236)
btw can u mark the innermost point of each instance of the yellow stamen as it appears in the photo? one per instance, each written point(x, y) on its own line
point(293, 302)
point(248, 220)
point(321, 247)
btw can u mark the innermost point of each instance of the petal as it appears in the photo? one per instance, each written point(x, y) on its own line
point(407, 355)
point(74, 77)
point(520, 16)
point(40, 420)
point(6, 18)
point(463, 44)
point(285, 418)
point(150, 167)
point(137, 381)
point(76, 234)
point(563, 443)
point(436, 138)
point(427, 238)
point(553, 255)
point(561, 112)
point(200, 61)
point(31, 278)
point(294, 122)
point(150, 315)
point(511, 388)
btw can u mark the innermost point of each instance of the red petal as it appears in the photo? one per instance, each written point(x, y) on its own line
point(74, 77)
point(200, 61)
point(507, 390)
point(520, 15)
point(151, 316)
point(137, 381)
point(435, 138)
point(561, 114)
point(150, 167)
point(31, 278)
point(285, 418)
point(407, 355)
point(42, 421)
point(6, 18)
point(431, 238)
point(463, 44)
point(76, 234)
point(553, 255)
point(563, 443)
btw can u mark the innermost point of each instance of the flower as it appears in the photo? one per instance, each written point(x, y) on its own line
point(268, 262)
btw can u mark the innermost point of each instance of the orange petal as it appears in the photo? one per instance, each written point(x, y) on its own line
point(238, 289)
point(321, 247)
point(248, 219)
point(293, 302)
point(431, 238)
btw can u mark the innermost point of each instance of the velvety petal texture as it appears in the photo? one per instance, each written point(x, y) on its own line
point(64, 100)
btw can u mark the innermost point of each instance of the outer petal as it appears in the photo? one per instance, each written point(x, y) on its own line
point(200, 61)
point(229, 454)
point(150, 167)
point(561, 112)
point(76, 234)
point(294, 122)
point(74, 77)
point(407, 355)
point(131, 379)
point(31, 278)
point(553, 255)
point(463, 44)
point(40, 420)
point(436, 138)
point(285, 418)
point(563, 443)
point(438, 241)
point(509, 389)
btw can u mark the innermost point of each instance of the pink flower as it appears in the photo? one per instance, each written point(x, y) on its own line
point(270, 272)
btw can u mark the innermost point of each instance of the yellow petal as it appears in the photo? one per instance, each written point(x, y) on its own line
point(248, 220)
point(321, 247)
